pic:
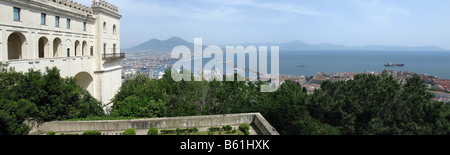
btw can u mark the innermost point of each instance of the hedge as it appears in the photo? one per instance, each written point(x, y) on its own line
point(179, 131)
point(244, 127)
point(227, 128)
point(152, 131)
point(91, 133)
point(129, 131)
point(51, 133)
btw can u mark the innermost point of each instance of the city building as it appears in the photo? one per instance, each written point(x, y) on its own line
point(83, 42)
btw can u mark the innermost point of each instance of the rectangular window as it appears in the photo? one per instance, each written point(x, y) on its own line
point(43, 19)
point(68, 23)
point(114, 49)
point(56, 21)
point(16, 14)
point(104, 49)
point(84, 26)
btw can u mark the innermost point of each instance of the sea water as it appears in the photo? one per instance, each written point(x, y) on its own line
point(421, 62)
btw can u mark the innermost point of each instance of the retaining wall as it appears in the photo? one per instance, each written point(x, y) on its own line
point(256, 120)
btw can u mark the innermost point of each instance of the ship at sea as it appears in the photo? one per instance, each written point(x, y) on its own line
point(394, 65)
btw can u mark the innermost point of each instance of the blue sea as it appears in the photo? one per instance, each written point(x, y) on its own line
point(431, 63)
point(426, 62)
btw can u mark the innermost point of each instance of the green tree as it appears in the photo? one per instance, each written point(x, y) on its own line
point(134, 106)
point(13, 114)
point(44, 97)
point(379, 105)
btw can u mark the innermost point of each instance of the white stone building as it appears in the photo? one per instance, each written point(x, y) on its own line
point(83, 42)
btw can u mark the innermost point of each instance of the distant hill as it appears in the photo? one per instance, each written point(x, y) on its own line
point(155, 45)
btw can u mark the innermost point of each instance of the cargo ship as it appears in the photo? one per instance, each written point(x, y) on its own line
point(394, 65)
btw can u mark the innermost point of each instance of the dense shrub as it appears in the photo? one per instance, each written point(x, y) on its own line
point(51, 133)
point(152, 131)
point(129, 131)
point(178, 130)
point(244, 127)
point(227, 128)
point(167, 131)
point(214, 129)
point(65, 134)
point(92, 133)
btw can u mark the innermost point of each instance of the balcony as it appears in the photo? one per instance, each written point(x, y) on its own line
point(113, 56)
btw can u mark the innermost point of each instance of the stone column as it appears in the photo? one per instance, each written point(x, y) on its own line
point(31, 50)
point(50, 47)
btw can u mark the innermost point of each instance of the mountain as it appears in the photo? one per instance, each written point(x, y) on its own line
point(155, 45)
point(403, 48)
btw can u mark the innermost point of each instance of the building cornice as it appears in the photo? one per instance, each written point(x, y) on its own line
point(24, 29)
point(71, 10)
point(108, 70)
point(105, 7)
point(98, 10)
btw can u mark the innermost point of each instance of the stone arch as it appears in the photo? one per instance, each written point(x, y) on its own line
point(84, 48)
point(86, 81)
point(43, 48)
point(57, 48)
point(77, 48)
point(16, 46)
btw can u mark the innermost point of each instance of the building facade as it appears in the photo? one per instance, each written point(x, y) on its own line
point(81, 41)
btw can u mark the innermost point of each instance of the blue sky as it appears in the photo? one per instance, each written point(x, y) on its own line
point(346, 22)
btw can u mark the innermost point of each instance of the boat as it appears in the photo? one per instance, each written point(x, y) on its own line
point(300, 65)
point(394, 65)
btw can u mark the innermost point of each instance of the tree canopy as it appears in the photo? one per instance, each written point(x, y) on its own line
point(43, 97)
point(367, 105)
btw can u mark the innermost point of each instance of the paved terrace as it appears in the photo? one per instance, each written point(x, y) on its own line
point(258, 124)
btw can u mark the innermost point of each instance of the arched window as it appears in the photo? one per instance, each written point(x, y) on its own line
point(114, 29)
point(84, 48)
point(104, 27)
